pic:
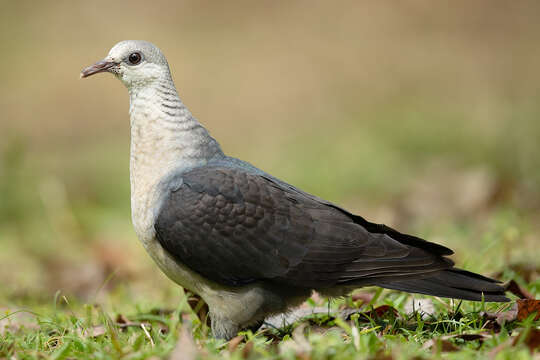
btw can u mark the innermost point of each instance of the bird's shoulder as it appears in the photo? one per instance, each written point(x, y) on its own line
point(233, 224)
point(237, 180)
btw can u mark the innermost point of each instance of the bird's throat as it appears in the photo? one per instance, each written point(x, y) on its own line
point(165, 137)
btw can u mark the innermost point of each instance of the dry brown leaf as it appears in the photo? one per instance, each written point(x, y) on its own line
point(532, 339)
point(528, 307)
point(121, 319)
point(447, 346)
point(384, 310)
point(94, 331)
point(235, 341)
point(491, 324)
point(440, 345)
point(380, 311)
point(185, 348)
point(382, 355)
point(248, 348)
point(507, 316)
point(517, 290)
point(315, 329)
point(365, 297)
point(274, 338)
point(162, 312)
point(502, 317)
point(163, 329)
point(469, 337)
point(443, 344)
point(124, 322)
point(473, 337)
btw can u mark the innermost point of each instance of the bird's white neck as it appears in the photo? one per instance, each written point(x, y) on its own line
point(164, 137)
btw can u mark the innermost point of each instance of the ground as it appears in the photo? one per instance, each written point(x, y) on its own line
point(379, 325)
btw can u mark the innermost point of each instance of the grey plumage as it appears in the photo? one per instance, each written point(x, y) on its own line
point(248, 243)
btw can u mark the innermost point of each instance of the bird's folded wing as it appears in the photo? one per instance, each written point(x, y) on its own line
point(236, 227)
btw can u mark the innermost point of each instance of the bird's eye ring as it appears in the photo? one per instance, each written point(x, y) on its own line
point(134, 58)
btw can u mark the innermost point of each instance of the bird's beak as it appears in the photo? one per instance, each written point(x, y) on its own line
point(98, 67)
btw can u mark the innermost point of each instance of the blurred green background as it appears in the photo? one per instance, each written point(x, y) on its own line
point(421, 115)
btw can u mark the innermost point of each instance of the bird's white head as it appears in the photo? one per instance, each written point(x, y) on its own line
point(136, 63)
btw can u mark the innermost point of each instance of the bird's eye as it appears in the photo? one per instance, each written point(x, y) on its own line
point(134, 58)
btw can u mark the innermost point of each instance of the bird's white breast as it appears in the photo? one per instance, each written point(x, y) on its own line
point(157, 149)
point(162, 146)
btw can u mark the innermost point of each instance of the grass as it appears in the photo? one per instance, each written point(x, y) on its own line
point(89, 331)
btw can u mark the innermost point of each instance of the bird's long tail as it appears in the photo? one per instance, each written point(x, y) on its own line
point(452, 283)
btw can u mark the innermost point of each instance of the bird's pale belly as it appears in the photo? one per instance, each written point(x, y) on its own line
point(143, 223)
point(241, 304)
point(176, 271)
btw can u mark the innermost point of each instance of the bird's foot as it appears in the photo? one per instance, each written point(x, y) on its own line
point(223, 328)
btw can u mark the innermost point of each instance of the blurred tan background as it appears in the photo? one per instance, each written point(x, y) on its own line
point(421, 115)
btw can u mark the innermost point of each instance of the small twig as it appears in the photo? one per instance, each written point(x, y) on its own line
point(147, 334)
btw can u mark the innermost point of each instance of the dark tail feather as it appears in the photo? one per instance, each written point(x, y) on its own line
point(452, 283)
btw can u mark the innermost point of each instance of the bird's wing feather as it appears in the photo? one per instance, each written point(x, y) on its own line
point(235, 227)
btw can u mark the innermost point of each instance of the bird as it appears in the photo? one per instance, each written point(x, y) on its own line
point(250, 244)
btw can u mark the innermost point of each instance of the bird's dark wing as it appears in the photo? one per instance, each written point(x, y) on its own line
point(235, 227)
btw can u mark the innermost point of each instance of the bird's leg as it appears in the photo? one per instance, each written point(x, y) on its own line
point(222, 327)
